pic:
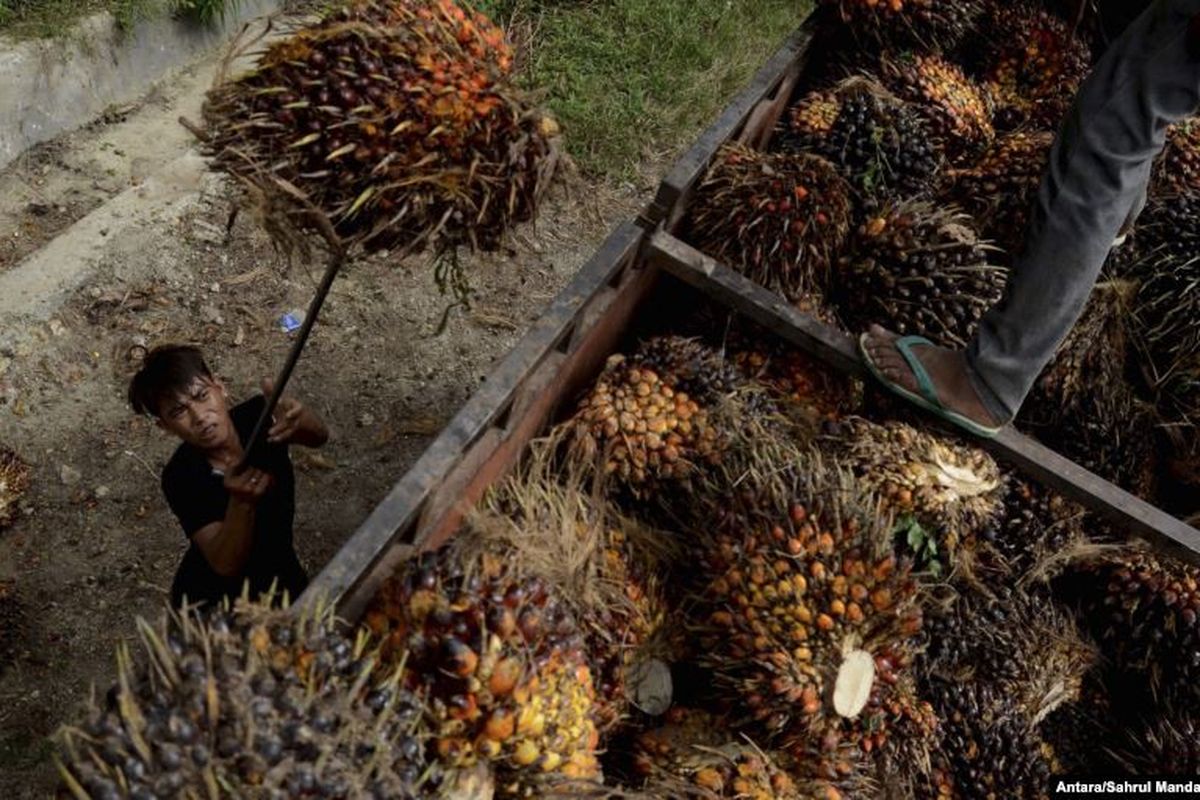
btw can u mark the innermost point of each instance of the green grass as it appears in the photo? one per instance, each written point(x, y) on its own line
point(25, 19)
point(635, 78)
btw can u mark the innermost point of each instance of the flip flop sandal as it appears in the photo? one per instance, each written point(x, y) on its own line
point(928, 398)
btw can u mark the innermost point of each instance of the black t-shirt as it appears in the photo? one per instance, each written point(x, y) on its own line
point(196, 493)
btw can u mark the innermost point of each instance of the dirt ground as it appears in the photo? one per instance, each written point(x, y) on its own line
point(96, 545)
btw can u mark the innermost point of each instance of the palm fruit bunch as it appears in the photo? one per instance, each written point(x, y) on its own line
point(502, 662)
point(958, 110)
point(999, 189)
point(1037, 523)
point(1034, 65)
point(800, 384)
point(257, 701)
point(606, 566)
point(807, 124)
point(691, 367)
point(943, 493)
point(396, 120)
point(882, 145)
point(778, 218)
point(903, 23)
point(811, 627)
point(14, 483)
point(1070, 730)
point(695, 755)
point(1177, 167)
point(918, 269)
point(1142, 609)
point(1111, 433)
point(986, 749)
point(1012, 639)
point(1166, 743)
point(641, 428)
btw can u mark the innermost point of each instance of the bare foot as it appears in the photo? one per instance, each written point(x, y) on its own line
point(947, 369)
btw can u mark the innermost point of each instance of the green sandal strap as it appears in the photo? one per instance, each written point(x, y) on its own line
point(924, 383)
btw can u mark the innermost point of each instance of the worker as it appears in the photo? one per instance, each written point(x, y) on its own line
point(1094, 186)
point(238, 523)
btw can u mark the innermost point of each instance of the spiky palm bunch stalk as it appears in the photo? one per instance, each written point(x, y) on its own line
point(252, 702)
point(14, 483)
point(1037, 523)
point(1000, 188)
point(606, 566)
point(1033, 65)
point(946, 492)
point(778, 218)
point(1144, 611)
point(1166, 743)
point(917, 268)
point(1177, 167)
point(903, 23)
point(696, 756)
point(502, 660)
point(1010, 638)
point(958, 110)
point(395, 120)
point(986, 749)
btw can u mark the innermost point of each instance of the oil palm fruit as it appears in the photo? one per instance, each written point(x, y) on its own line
point(1037, 522)
point(987, 750)
point(257, 702)
point(1177, 167)
point(778, 218)
point(641, 428)
point(1033, 65)
point(1111, 433)
point(14, 483)
point(807, 124)
point(396, 119)
point(1070, 730)
point(1012, 639)
point(918, 269)
point(1000, 188)
point(811, 624)
point(606, 566)
point(502, 661)
point(1142, 609)
point(1167, 743)
point(903, 23)
point(799, 383)
point(952, 493)
point(957, 109)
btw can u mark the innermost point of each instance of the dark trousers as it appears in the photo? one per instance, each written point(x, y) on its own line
point(1099, 168)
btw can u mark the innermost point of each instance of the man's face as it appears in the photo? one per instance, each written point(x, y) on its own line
point(198, 415)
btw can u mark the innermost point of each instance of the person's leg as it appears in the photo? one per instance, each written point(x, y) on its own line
point(1099, 165)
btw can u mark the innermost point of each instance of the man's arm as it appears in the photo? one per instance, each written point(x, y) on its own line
point(295, 423)
point(226, 544)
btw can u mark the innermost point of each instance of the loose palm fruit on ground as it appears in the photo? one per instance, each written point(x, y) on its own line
point(396, 119)
point(903, 23)
point(1168, 743)
point(502, 661)
point(1012, 639)
point(641, 429)
point(807, 124)
point(1142, 609)
point(957, 109)
point(918, 269)
point(1177, 167)
point(953, 492)
point(14, 483)
point(1033, 65)
point(606, 566)
point(804, 604)
point(1000, 188)
point(986, 749)
point(696, 755)
point(778, 218)
point(258, 702)
point(1037, 523)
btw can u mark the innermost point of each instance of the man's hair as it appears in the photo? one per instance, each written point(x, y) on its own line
point(166, 372)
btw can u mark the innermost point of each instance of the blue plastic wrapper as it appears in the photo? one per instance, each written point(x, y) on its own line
point(289, 323)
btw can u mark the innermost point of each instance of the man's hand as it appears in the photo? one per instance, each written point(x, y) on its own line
point(247, 487)
point(288, 414)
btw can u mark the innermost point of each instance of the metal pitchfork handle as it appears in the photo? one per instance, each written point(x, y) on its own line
point(336, 260)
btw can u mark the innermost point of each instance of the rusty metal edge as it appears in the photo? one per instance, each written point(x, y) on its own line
point(392, 522)
point(841, 351)
point(692, 164)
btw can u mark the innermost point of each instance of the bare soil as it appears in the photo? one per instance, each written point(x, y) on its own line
point(96, 545)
